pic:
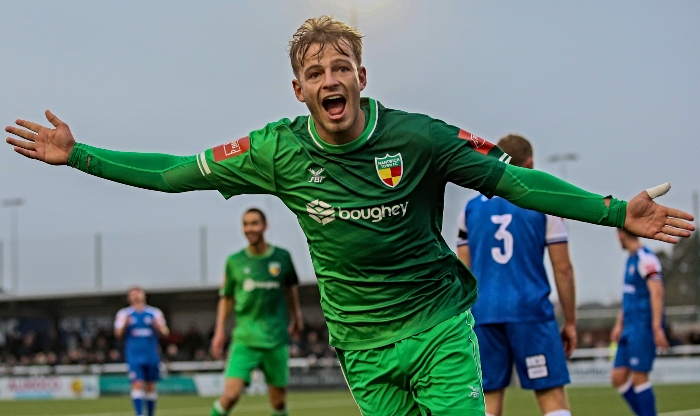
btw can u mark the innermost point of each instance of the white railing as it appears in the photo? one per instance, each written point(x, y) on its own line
point(605, 352)
point(295, 363)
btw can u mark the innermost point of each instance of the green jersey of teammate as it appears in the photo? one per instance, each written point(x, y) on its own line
point(257, 284)
point(369, 212)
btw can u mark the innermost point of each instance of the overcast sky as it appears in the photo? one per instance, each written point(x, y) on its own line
point(614, 82)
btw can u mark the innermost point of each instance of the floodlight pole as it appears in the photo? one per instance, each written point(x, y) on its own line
point(13, 204)
point(696, 209)
point(696, 214)
point(203, 255)
point(354, 21)
point(98, 261)
point(2, 267)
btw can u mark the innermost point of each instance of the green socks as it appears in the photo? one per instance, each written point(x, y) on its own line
point(218, 410)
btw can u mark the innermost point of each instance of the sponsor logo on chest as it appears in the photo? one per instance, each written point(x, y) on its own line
point(324, 213)
point(141, 332)
point(250, 285)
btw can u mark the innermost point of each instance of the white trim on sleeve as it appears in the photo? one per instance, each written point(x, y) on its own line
point(555, 231)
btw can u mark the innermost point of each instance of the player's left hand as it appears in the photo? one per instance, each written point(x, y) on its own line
point(648, 219)
point(296, 326)
point(660, 339)
point(161, 329)
point(568, 338)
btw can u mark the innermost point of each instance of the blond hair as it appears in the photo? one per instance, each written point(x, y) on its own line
point(323, 30)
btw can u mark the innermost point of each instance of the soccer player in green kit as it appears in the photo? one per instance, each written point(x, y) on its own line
point(367, 186)
point(262, 283)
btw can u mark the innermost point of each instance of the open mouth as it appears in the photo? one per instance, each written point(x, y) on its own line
point(334, 106)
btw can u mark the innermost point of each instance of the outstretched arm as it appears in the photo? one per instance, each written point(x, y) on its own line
point(57, 146)
point(539, 191)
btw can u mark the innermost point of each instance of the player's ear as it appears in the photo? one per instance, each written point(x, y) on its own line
point(297, 90)
point(362, 77)
point(529, 163)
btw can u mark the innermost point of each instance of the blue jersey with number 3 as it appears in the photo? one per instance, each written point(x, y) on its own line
point(506, 244)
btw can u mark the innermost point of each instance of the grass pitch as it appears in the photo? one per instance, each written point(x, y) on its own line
point(672, 400)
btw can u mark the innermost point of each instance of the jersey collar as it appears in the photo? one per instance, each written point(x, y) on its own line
point(355, 144)
point(265, 255)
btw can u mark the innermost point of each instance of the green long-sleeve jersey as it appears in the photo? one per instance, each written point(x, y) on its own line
point(371, 209)
point(257, 283)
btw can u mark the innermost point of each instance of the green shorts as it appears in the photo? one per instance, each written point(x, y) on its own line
point(242, 360)
point(436, 372)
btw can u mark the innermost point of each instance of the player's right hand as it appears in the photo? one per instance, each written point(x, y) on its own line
point(660, 339)
point(616, 333)
point(217, 346)
point(568, 339)
point(52, 146)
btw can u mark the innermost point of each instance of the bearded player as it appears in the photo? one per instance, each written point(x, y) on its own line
point(395, 298)
point(260, 281)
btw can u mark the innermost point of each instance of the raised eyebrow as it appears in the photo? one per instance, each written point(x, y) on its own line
point(347, 60)
point(312, 68)
point(334, 62)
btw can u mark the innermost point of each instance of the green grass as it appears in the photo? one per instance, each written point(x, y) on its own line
point(584, 401)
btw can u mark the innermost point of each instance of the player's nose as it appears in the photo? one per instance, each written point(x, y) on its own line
point(329, 79)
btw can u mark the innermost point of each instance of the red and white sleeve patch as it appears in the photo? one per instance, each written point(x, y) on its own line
point(231, 149)
point(480, 145)
point(651, 272)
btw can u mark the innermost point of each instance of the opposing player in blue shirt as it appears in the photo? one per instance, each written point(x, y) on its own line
point(515, 324)
point(139, 326)
point(640, 326)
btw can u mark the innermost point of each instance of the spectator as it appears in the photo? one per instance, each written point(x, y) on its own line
point(295, 346)
point(586, 340)
point(114, 356)
point(192, 341)
point(54, 343)
point(29, 346)
point(173, 353)
point(51, 358)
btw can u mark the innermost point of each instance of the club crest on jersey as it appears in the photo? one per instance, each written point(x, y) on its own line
point(231, 149)
point(389, 169)
point(274, 268)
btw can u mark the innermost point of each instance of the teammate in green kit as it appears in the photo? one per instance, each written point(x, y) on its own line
point(262, 283)
point(367, 186)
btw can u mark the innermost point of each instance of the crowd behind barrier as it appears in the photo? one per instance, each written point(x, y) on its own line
point(99, 346)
